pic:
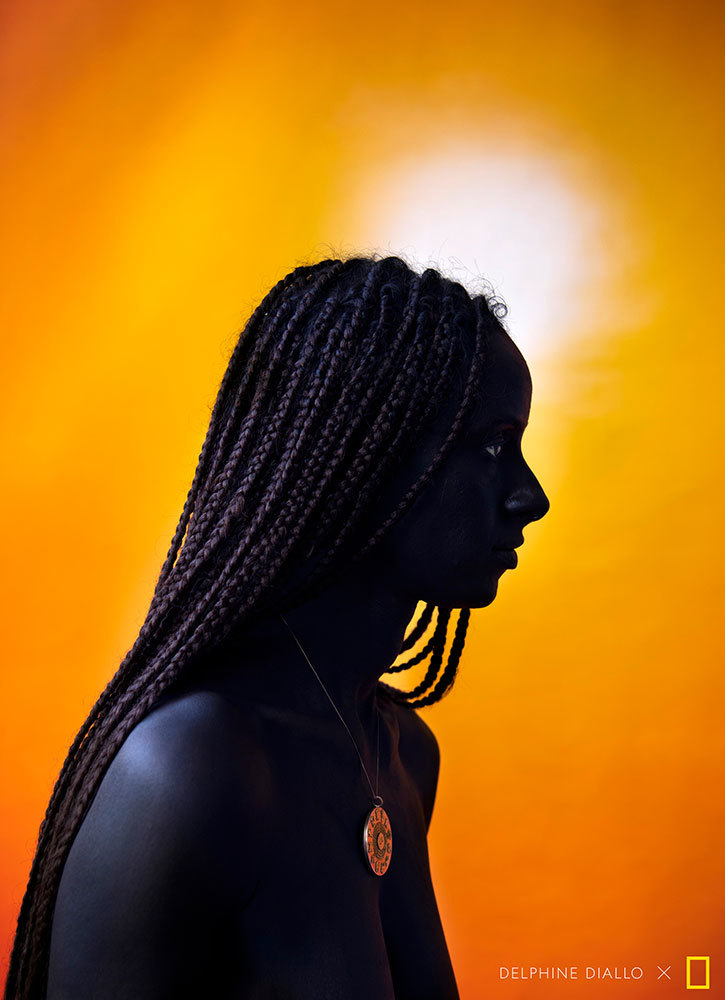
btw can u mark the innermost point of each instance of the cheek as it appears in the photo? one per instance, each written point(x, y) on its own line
point(458, 527)
point(469, 507)
point(454, 565)
point(441, 551)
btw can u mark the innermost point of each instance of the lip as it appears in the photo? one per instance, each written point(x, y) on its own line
point(514, 544)
point(508, 556)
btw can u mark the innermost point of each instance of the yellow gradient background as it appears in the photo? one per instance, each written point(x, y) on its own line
point(162, 165)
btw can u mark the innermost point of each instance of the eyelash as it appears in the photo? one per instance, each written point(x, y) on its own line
point(497, 442)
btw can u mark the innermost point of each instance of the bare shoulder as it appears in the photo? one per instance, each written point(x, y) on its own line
point(420, 754)
point(184, 784)
point(168, 812)
point(196, 753)
point(194, 742)
point(155, 865)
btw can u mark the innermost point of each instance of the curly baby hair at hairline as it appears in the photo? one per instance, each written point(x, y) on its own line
point(332, 380)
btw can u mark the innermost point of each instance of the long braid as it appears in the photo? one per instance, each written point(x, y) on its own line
point(319, 471)
point(316, 407)
point(437, 646)
point(414, 660)
point(274, 309)
point(321, 573)
point(206, 466)
point(361, 480)
point(446, 679)
point(469, 395)
point(420, 628)
point(93, 726)
point(99, 732)
point(211, 511)
point(233, 367)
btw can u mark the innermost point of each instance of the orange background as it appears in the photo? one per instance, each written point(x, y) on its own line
point(162, 165)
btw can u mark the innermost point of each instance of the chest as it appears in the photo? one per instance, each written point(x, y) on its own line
point(320, 923)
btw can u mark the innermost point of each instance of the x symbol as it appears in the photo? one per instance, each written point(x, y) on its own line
point(664, 972)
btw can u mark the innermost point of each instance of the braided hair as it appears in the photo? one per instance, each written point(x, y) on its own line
point(333, 379)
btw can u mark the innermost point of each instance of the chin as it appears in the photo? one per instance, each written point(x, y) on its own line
point(477, 595)
point(483, 600)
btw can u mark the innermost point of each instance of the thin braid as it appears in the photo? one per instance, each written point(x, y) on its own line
point(457, 647)
point(464, 411)
point(414, 660)
point(230, 410)
point(110, 689)
point(328, 463)
point(283, 472)
point(448, 676)
point(224, 522)
point(361, 481)
point(438, 647)
point(221, 581)
point(160, 602)
point(388, 422)
point(359, 472)
point(272, 348)
point(268, 302)
point(459, 640)
point(244, 343)
point(191, 573)
point(100, 732)
point(161, 682)
point(321, 573)
point(211, 508)
point(92, 733)
point(279, 529)
point(421, 627)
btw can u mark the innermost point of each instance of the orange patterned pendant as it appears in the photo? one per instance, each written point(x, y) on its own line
point(378, 840)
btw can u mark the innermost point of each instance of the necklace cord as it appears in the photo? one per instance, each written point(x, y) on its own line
point(374, 791)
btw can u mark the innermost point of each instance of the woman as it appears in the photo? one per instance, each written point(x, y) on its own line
point(244, 812)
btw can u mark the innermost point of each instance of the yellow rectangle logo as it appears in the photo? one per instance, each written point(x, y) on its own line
point(698, 986)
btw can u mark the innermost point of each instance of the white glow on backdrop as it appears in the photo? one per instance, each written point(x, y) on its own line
point(549, 247)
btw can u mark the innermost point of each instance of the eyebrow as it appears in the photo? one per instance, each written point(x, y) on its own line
point(508, 423)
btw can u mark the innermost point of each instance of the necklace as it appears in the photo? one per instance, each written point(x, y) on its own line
point(377, 839)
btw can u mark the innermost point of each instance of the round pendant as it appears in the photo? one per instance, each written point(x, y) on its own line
point(378, 840)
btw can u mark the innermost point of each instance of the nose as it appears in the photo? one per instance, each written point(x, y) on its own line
point(528, 499)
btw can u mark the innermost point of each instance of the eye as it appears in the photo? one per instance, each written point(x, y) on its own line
point(495, 446)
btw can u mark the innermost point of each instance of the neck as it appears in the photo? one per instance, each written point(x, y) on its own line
point(352, 632)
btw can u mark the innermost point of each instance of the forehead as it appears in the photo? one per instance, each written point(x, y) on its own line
point(505, 387)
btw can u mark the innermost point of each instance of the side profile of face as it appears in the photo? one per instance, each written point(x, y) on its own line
point(460, 535)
